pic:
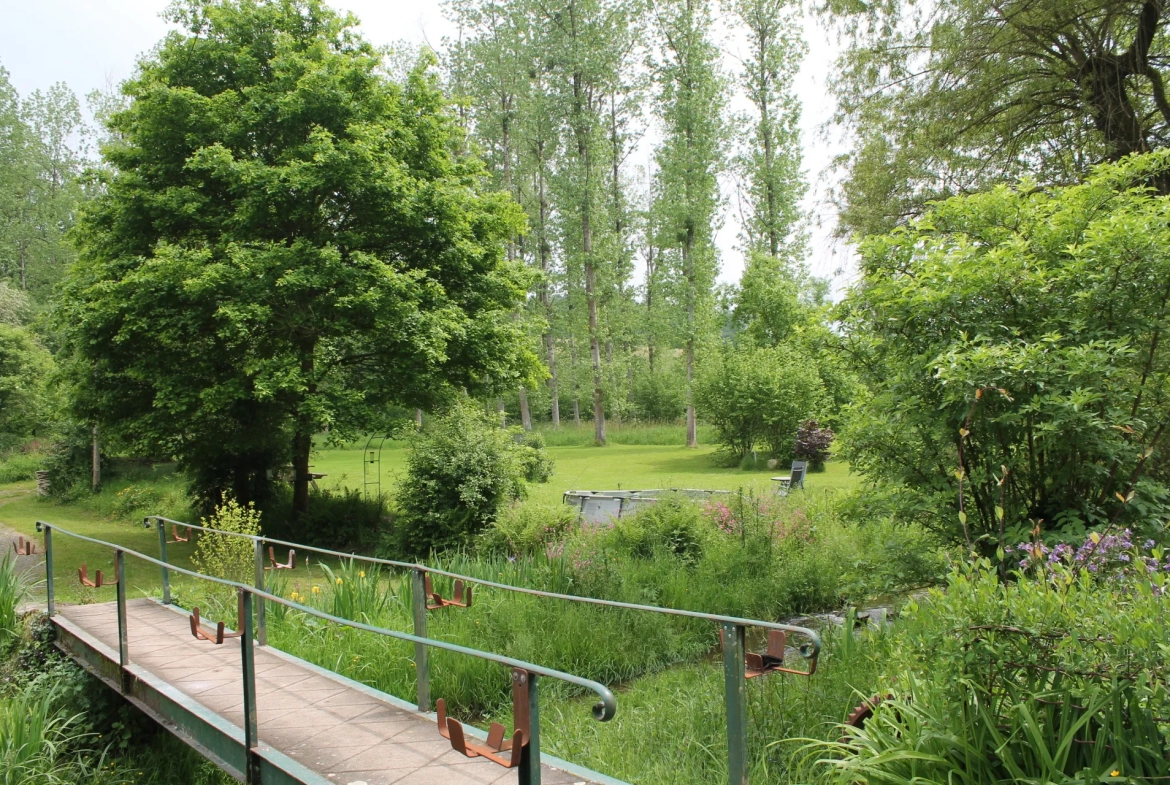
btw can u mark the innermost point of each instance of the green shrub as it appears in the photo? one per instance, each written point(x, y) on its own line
point(675, 525)
point(70, 462)
point(525, 528)
point(20, 465)
point(231, 558)
point(344, 519)
point(461, 469)
point(1058, 677)
point(1022, 324)
point(758, 398)
point(33, 738)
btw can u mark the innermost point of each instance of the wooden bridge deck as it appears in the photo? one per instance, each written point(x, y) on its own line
point(314, 726)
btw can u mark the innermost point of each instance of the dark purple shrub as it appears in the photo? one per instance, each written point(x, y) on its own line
point(812, 445)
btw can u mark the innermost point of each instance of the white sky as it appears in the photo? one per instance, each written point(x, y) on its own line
point(91, 44)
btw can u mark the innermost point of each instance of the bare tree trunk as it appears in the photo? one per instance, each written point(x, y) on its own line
point(97, 459)
point(650, 306)
point(500, 410)
point(525, 415)
point(576, 384)
point(418, 419)
point(302, 447)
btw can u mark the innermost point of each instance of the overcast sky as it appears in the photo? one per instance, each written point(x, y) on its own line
point(89, 44)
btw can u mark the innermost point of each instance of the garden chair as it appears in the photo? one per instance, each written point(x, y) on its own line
point(794, 479)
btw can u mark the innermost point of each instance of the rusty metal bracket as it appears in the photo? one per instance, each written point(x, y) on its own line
point(772, 660)
point(450, 728)
point(218, 635)
point(99, 580)
point(460, 597)
point(176, 537)
point(24, 547)
point(290, 565)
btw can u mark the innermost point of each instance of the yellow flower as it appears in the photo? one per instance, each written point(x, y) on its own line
point(361, 575)
point(339, 581)
point(316, 590)
point(1115, 773)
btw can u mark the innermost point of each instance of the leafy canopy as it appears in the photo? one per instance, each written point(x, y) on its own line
point(1033, 321)
point(287, 241)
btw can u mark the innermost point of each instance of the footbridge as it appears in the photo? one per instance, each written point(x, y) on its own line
point(266, 716)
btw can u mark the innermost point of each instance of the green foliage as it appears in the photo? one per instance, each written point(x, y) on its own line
point(343, 519)
point(21, 465)
point(1027, 320)
point(26, 398)
point(1055, 678)
point(305, 234)
point(984, 92)
point(70, 461)
point(658, 397)
point(758, 397)
point(224, 556)
point(674, 525)
point(527, 528)
point(461, 470)
point(33, 734)
point(13, 589)
point(39, 192)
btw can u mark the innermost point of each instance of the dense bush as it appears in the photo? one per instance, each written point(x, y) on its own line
point(26, 394)
point(1028, 327)
point(343, 519)
point(812, 444)
point(758, 398)
point(70, 461)
point(658, 397)
point(524, 529)
point(462, 468)
point(1056, 677)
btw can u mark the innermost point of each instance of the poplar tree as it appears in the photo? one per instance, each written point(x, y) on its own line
point(769, 161)
point(689, 100)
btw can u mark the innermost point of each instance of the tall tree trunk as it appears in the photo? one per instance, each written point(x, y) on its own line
point(582, 133)
point(500, 410)
point(550, 346)
point(96, 468)
point(650, 307)
point(525, 415)
point(418, 419)
point(303, 438)
point(688, 265)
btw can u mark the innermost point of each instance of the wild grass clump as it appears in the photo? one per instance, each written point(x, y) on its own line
point(1057, 676)
point(13, 589)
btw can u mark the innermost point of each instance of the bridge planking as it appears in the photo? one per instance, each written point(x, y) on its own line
point(338, 730)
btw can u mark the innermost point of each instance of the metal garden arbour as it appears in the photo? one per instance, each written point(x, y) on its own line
point(529, 766)
point(732, 631)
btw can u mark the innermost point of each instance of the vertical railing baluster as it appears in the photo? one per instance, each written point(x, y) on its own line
point(162, 550)
point(258, 564)
point(422, 671)
point(735, 703)
point(50, 594)
point(123, 632)
point(248, 667)
point(530, 762)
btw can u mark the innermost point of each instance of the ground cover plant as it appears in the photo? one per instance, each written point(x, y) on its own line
point(1056, 676)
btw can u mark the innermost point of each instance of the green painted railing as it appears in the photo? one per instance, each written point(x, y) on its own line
point(733, 629)
point(529, 768)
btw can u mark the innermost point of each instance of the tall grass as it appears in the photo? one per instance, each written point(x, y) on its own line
point(13, 588)
point(33, 738)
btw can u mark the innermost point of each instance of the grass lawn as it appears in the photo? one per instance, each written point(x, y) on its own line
point(615, 467)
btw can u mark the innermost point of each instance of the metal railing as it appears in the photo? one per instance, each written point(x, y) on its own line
point(529, 767)
point(733, 629)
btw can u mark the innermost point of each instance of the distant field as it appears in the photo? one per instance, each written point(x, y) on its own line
point(585, 467)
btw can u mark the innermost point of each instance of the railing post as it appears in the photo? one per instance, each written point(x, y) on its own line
point(123, 632)
point(162, 551)
point(50, 600)
point(261, 621)
point(735, 703)
point(248, 666)
point(422, 674)
point(530, 760)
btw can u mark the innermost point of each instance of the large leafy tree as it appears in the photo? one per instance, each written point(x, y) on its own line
point(288, 241)
point(690, 99)
point(947, 98)
point(1014, 345)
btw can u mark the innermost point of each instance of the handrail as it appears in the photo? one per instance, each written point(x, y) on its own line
point(808, 651)
point(603, 710)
